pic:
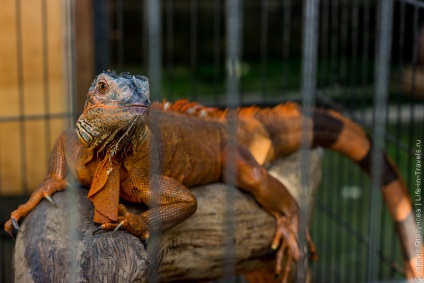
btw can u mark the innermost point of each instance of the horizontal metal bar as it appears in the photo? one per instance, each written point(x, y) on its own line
point(418, 3)
point(34, 117)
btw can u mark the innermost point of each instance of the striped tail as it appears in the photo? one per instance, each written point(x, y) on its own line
point(270, 133)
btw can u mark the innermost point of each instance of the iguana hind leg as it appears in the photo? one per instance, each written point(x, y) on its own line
point(242, 170)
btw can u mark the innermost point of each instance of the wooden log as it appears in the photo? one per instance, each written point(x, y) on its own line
point(57, 243)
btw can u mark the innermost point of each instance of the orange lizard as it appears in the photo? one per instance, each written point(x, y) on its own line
point(124, 149)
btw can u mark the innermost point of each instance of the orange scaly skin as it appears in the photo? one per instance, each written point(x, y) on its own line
point(123, 150)
point(273, 132)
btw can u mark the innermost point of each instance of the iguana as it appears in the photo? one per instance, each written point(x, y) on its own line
point(124, 149)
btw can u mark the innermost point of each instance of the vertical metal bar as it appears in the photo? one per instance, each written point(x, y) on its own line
point(315, 227)
point(101, 35)
point(70, 61)
point(154, 37)
point(365, 46)
point(355, 45)
point(382, 71)
point(170, 46)
point(334, 40)
point(21, 98)
point(70, 68)
point(154, 33)
point(354, 81)
point(193, 47)
point(400, 81)
point(47, 124)
point(233, 48)
point(327, 186)
point(216, 49)
point(287, 5)
point(332, 247)
point(324, 39)
point(309, 82)
point(341, 209)
point(309, 55)
point(360, 276)
point(120, 26)
point(333, 56)
point(343, 167)
point(344, 42)
point(144, 36)
point(398, 130)
point(383, 212)
point(264, 48)
point(233, 29)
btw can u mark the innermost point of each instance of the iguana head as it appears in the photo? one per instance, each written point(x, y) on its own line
point(117, 106)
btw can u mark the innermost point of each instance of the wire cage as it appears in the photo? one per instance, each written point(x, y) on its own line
point(362, 58)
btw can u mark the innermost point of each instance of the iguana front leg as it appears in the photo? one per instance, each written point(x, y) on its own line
point(242, 170)
point(53, 182)
point(169, 203)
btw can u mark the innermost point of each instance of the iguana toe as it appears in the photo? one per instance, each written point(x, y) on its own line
point(105, 227)
point(10, 225)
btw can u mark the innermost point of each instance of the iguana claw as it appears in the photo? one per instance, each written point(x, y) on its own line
point(117, 228)
point(49, 198)
point(16, 225)
point(97, 230)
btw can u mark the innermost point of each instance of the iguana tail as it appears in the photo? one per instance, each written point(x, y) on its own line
point(328, 128)
point(274, 132)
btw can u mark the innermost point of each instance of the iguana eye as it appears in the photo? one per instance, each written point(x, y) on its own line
point(102, 87)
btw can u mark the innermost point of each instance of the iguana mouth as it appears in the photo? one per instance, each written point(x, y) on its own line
point(139, 108)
